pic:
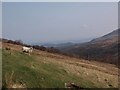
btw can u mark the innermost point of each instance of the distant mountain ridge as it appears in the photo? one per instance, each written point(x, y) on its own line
point(113, 36)
point(58, 45)
point(103, 49)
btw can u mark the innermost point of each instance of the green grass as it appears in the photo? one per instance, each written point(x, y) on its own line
point(36, 72)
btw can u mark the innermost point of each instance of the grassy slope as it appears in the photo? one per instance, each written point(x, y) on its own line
point(44, 70)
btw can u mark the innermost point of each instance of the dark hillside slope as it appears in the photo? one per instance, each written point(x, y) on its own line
point(104, 49)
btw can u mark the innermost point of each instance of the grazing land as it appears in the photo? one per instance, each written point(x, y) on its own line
point(41, 69)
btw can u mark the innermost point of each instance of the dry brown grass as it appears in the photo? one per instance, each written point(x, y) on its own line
point(9, 83)
point(97, 71)
point(94, 65)
point(97, 76)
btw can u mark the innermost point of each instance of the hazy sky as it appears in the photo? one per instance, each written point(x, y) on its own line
point(0, 20)
point(50, 21)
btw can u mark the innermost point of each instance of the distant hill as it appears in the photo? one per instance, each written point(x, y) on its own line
point(108, 38)
point(62, 43)
point(104, 49)
point(59, 45)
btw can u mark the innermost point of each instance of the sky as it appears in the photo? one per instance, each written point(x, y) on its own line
point(60, 0)
point(0, 20)
point(56, 21)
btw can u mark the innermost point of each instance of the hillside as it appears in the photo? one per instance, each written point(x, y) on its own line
point(41, 69)
point(103, 49)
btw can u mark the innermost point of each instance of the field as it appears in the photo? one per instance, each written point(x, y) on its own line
point(41, 69)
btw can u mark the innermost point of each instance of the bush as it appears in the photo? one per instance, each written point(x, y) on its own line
point(7, 48)
point(39, 47)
